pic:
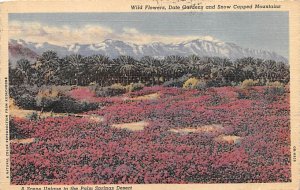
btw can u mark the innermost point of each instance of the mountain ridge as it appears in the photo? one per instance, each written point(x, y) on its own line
point(115, 48)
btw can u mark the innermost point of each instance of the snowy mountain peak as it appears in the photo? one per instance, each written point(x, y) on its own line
point(206, 46)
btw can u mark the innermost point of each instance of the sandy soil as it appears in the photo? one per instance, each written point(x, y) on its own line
point(200, 129)
point(231, 139)
point(135, 126)
point(23, 141)
point(152, 96)
point(94, 118)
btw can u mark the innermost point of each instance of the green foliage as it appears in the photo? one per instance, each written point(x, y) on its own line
point(67, 104)
point(25, 101)
point(24, 95)
point(49, 69)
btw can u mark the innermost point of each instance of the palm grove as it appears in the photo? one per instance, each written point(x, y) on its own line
point(50, 69)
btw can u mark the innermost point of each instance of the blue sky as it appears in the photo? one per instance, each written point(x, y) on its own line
point(258, 30)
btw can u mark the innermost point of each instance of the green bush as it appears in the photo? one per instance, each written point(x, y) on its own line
point(25, 101)
point(24, 96)
point(67, 104)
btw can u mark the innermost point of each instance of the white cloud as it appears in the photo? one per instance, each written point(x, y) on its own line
point(63, 35)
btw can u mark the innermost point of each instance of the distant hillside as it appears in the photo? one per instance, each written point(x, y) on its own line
point(18, 51)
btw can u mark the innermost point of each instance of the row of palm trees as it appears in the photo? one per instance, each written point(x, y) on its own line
point(49, 69)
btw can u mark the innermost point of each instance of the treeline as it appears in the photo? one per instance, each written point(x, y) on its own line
point(49, 69)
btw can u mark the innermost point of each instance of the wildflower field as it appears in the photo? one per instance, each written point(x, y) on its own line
point(159, 135)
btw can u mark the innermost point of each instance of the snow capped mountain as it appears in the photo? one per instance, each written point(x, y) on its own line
point(114, 48)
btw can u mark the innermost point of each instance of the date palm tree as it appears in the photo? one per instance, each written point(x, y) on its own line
point(47, 66)
point(99, 67)
point(174, 66)
point(126, 67)
point(151, 68)
point(192, 64)
point(75, 62)
point(23, 70)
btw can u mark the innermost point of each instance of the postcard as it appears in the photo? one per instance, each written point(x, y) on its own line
point(164, 94)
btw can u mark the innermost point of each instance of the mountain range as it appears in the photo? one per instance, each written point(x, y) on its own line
point(114, 48)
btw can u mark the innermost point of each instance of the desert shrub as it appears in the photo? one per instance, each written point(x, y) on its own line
point(62, 89)
point(194, 83)
point(191, 83)
point(33, 116)
point(275, 84)
point(176, 82)
point(201, 85)
point(94, 87)
point(15, 91)
point(24, 96)
point(47, 101)
point(102, 92)
point(117, 89)
point(217, 83)
point(250, 94)
point(70, 105)
point(287, 87)
point(275, 88)
point(134, 87)
point(214, 100)
point(25, 101)
point(46, 91)
point(242, 95)
point(173, 83)
point(14, 132)
point(48, 98)
point(65, 104)
point(233, 83)
point(249, 83)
